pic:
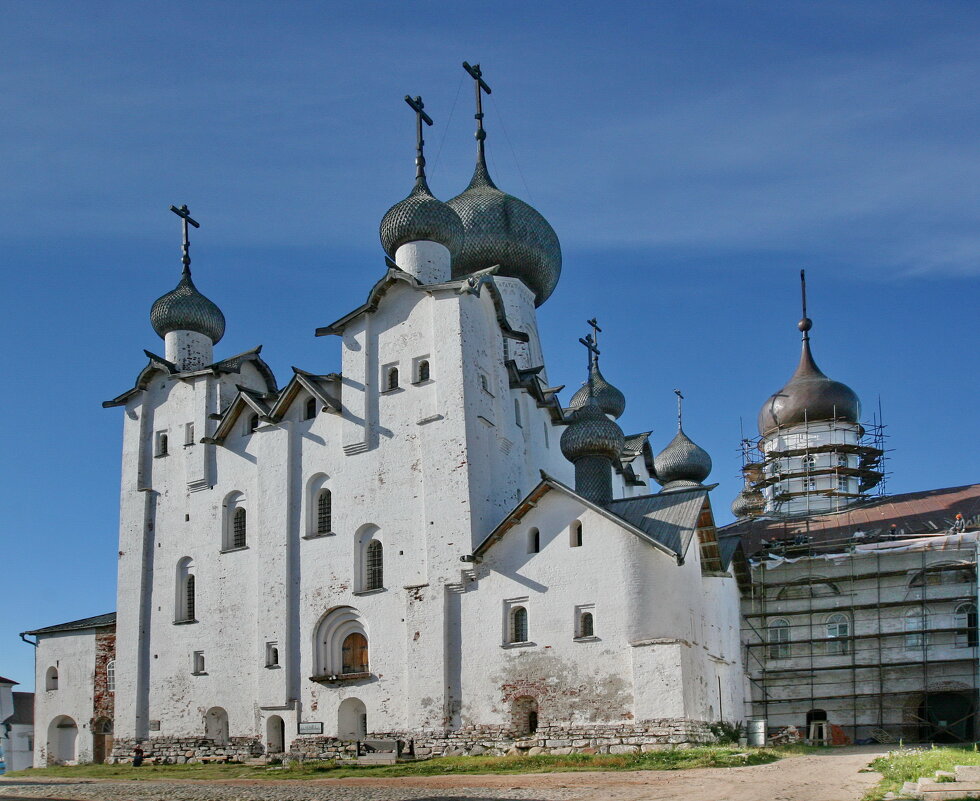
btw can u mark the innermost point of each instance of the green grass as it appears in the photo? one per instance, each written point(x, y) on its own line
point(912, 764)
point(673, 759)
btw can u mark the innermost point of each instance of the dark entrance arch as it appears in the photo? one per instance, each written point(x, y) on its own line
point(948, 717)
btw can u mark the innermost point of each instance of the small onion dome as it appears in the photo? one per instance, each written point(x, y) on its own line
point(809, 396)
point(591, 433)
point(610, 399)
point(748, 503)
point(681, 463)
point(500, 229)
point(186, 309)
point(420, 217)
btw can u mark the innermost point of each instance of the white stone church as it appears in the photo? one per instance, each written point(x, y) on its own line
point(428, 546)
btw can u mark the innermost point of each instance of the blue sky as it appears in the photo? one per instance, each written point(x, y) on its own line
point(692, 157)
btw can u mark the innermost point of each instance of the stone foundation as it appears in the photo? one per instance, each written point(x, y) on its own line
point(182, 750)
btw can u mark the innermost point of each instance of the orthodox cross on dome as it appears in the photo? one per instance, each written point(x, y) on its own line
point(593, 352)
point(481, 86)
point(420, 116)
point(806, 323)
point(185, 215)
point(680, 409)
point(594, 356)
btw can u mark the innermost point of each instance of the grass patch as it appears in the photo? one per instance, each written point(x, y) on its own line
point(673, 759)
point(911, 764)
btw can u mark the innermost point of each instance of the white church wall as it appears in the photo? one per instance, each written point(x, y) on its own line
point(64, 695)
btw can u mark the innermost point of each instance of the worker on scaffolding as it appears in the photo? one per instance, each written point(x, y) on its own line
point(959, 524)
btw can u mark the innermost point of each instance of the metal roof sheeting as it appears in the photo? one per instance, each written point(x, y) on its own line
point(97, 622)
point(669, 518)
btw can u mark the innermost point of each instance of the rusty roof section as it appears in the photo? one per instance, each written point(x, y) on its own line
point(913, 513)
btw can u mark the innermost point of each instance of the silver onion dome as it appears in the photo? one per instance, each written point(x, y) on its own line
point(682, 463)
point(609, 398)
point(748, 503)
point(591, 433)
point(500, 229)
point(185, 309)
point(421, 216)
point(809, 396)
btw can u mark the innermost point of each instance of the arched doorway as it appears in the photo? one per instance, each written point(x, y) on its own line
point(275, 735)
point(524, 715)
point(947, 717)
point(216, 725)
point(62, 740)
point(101, 739)
point(352, 719)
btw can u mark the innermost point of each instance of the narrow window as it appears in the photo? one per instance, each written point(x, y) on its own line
point(354, 654)
point(547, 444)
point(809, 462)
point(779, 647)
point(965, 621)
point(838, 631)
point(51, 679)
point(374, 566)
point(110, 676)
point(190, 599)
point(586, 625)
point(392, 382)
point(484, 383)
point(238, 530)
point(506, 349)
point(324, 510)
point(197, 663)
point(842, 460)
point(517, 412)
point(189, 434)
point(842, 483)
point(533, 541)
point(575, 536)
point(163, 443)
point(253, 423)
point(811, 483)
point(915, 620)
point(310, 409)
point(271, 654)
point(423, 371)
point(518, 624)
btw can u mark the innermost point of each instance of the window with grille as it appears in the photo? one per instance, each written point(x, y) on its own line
point(324, 512)
point(779, 647)
point(374, 566)
point(238, 529)
point(586, 625)
point(392, 382)
point(518, 624)
point(838, 631)
point(842, 460)
point(965, 621)
point(842, 483)
point(110, 676)
point(310, 409)
point(189, 598)
point(809, 462)
point(506, 349)
point(163, 444)
point(423, 371)
point(354, 654)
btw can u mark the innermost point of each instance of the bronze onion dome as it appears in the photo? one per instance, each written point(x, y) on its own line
point(591, 433)
point(682, 463)
point(186, 309)
point(748, 503)
point(420, 217)
point(609, 398)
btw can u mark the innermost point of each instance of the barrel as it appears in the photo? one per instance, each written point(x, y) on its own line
point(757, 731)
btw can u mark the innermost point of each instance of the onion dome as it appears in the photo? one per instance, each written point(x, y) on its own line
point(420, 217)
point(682, 463)
point(809, 396)
point(748, 503)
point(186, 309)
point(610, 400)
point(591, 433)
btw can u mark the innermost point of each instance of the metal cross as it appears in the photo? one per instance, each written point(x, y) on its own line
point(590, 346)
point(184, 213)
point(420, 117)
point(680, 400)
point(481, 86)
point(806, 323)
point(595, 335)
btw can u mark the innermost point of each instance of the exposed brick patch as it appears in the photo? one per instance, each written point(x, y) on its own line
point(105, 652)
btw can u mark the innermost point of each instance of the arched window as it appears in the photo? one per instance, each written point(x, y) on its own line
point(533, 541)
point(110, 676)
point(575, 535)
point(185, 605)
point(586, 625)
point(524, 715)
point(838, 631)
point(423, 374)
point(809, 462)
point(51, 678)
point(354, 654)
point(253, 423)
point(190, 598)
point(943, 574)
point(965, 621)
point(374, 565)
point(518, 624)
point(915, 623)
point(310, 412)
point(238, 528)
point(324, 512)
point(842, 460)
point(331, 639)
point(163, 444)
point(392, 379)
point(779, 647)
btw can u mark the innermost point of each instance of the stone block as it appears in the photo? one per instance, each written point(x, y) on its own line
point(624, 749)
point(967, 773)
point(535, 750)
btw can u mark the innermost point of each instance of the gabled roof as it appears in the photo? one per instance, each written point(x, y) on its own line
point(157, 364)
point(319, 386)
point(655, 519)
point(928, 511)
point(471, 284)
point(246, 399)
point(23, 710)
point(97, 622)
point(529, 379)
point(8, 681)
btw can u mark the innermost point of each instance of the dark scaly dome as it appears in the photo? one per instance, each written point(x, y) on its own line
point(610, 399)
point(809, 395)
point(185, 309)
point(682, 463)
point(421, 216)
point(748, 503)
point(501, 229)
point(591, 433)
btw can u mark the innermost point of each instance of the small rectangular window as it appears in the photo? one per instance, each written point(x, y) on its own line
point(198, 663)
point(188, 434)
point(272, 654)
point(162, 446)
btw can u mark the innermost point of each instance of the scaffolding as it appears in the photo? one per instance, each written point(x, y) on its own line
point(879, 640)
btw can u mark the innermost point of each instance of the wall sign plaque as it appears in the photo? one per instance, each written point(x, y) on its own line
point(310, 727)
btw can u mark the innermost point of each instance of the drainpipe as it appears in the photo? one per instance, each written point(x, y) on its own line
point(23, 636)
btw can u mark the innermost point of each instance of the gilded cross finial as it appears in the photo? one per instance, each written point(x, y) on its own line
point(806, 323)
point(184, 213)
point(680, 410)
point(420, 116)
point(481, 86)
